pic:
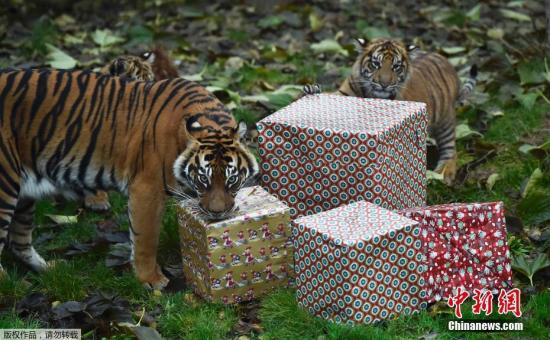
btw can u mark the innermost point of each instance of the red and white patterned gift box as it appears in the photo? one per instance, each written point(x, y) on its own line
point(324, 151)
point(465, 246)
point(358, 263)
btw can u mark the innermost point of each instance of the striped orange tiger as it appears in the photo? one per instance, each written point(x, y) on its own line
point(132, 68)
point(386, 69)
point(76, 132)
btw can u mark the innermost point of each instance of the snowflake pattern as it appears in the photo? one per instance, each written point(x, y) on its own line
point(481, 258)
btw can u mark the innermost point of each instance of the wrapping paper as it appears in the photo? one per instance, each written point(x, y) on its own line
point(324, 151)
point(464, 246)
point(358, 263)
point(241, 257)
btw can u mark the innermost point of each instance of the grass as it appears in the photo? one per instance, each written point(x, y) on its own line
point(277, 307)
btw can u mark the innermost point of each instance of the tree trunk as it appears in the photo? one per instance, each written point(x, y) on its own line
point(548, 21)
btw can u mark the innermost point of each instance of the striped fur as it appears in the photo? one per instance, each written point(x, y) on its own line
point(385, 69)
point(76, 132)
point(130, 67)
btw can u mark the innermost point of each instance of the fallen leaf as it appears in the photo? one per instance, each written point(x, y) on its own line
point(515, 15)
point(59, 59)
point(529, 267)
point(474, 13)
point(491, 180)
point(495, 33)
point(464, 131)
point(329, 46)
point(531, 182)
point(105, 38)
point(453, 49)
point(62, 219)
point(140, 332)
point(315, 22)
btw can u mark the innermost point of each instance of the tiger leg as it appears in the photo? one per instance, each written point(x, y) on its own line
point(20, 236)
point(444, 136)
point(145, 209)
point(9, 189)
point(98, 201)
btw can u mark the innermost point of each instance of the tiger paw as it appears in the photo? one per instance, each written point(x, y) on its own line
point(311, 89)
point(448, 170)
point(154, 281)
point(98, 202)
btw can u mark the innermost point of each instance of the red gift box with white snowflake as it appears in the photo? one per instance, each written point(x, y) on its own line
point(324, 151)
point(358, 263)
point(464, 246)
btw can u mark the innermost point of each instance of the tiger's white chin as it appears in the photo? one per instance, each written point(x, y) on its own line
point(382, 94)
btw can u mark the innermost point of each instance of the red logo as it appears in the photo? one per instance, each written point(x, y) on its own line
point(508, 301)
point(458, 300)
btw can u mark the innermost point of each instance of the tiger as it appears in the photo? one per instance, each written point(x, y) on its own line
point(131, 67)
point(75, 132)
point(149, 66)
point(387, 69)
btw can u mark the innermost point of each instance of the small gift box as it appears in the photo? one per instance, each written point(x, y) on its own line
point(241, 257)
point(358, 263)
point(324, 151)
point(464, 246)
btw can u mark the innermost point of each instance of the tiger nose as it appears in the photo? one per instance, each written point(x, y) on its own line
point(221, 205)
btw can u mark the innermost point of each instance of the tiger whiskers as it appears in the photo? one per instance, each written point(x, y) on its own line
point(179, 193)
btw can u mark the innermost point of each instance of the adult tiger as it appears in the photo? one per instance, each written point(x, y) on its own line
point(386, 69)
point(75, 132)
point(151, 65)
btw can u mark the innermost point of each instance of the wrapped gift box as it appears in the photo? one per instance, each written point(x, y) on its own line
point(323, 151)
point(358, 263)
point(464, 246)
point(241, 257)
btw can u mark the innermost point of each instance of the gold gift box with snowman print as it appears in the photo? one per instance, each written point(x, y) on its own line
point(241, 257)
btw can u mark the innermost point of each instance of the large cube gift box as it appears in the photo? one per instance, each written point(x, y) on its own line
point(241, 257)
point(465, 246)
point(358, 263)
point(323, 151)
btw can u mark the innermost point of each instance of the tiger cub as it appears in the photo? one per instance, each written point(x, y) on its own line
point(387, 69)
point(76, 132)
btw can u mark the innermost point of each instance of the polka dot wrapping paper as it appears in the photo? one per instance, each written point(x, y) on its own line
point(324, 151)
point(358, 263)
point(464, 246)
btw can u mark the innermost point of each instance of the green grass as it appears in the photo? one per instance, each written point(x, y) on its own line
point(278, 307)
point(189, 321)
point(11, 320)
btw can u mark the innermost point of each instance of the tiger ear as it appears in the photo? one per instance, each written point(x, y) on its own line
point(411, 47)
point(360, 44)
point(192, 126)
point(241, 130)
point(148, 56)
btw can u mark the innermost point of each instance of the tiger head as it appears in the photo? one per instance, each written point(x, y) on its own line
point(131, 67)
point(215, 165)
point(381, 68)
